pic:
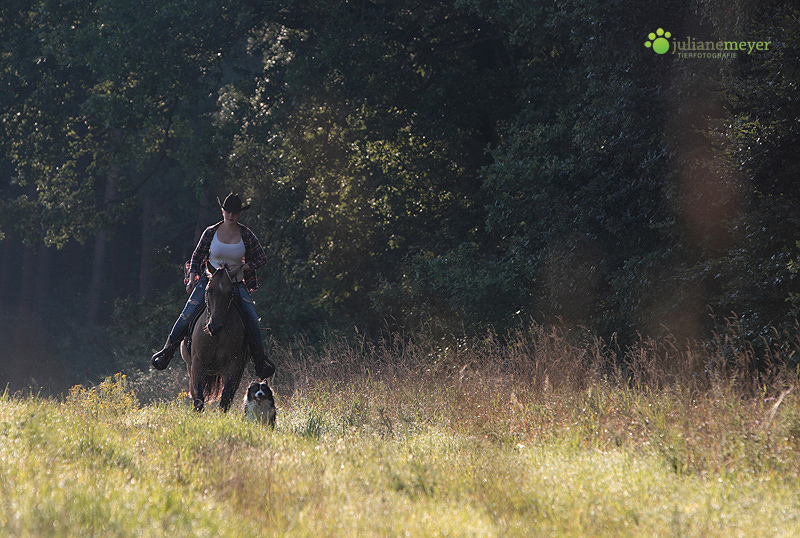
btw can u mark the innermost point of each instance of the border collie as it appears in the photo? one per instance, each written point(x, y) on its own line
point(259, 404)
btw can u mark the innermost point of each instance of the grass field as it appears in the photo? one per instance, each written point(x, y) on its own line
point(539, 436)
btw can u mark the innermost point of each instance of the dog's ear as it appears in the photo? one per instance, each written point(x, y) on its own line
point(252, 388)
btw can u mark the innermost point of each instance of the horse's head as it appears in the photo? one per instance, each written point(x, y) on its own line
point(219, 295)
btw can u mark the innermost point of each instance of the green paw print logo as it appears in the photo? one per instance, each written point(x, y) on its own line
point(658, 41)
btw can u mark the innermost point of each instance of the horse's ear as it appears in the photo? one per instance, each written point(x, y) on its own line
point(210, 269)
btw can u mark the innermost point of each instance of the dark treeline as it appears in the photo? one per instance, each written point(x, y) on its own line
point(468, 165)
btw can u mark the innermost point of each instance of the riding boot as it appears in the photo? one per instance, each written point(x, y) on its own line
point(263, 366)
point(160, 359)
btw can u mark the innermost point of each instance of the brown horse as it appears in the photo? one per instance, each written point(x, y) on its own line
point(218, 354)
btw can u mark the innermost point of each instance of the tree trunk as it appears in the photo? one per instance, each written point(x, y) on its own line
point(44, 273)
point(146, 263)
point(202, 220)
point(99, 260)
point(9, 245)
point(26, 282)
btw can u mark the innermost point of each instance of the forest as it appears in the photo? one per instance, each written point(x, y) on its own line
point(454, 167)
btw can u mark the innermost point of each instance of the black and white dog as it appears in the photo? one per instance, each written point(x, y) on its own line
point(259, 404)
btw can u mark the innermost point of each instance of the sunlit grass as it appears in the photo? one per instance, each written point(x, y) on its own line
point(437, 451)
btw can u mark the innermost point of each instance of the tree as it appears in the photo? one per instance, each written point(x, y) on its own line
point(756, 139)
point(377, 118)
point(103, 97)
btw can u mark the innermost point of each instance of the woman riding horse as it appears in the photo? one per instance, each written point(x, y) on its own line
point(226, 243)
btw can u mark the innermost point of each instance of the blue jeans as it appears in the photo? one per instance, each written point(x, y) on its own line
point(197, 300)
point(248, 307)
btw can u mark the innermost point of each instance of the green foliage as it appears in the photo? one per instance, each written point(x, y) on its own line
point(379, 128)
point(110, 398)
point(466, 164)
point(579, 175)
point(98, 92)
point(752, 276)
point(139, 326)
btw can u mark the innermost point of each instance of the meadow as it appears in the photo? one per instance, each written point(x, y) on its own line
point(544, 434)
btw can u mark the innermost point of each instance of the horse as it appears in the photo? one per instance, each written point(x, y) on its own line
point(218, 353)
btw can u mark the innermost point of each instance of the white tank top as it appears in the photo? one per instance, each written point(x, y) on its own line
point(226, 253)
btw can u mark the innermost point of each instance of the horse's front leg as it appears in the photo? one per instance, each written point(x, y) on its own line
point(232, 380)
point(226, 398)
point(228, 391)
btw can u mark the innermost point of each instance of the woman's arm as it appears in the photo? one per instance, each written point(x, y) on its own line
point(201, 251)
point(254, 256)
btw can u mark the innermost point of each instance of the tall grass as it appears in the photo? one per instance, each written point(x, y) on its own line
point(547, 433)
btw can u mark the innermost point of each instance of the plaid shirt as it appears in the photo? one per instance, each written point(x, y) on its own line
point(253, 255)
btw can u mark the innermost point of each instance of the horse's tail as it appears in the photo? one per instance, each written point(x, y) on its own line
point(213, 387)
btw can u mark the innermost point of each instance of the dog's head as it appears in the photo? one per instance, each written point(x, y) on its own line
point(258, 391)
point(259, 404)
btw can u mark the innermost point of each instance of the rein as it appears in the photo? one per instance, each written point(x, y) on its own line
point(208, 304)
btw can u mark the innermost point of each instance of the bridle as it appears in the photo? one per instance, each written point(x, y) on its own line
point(208, 294)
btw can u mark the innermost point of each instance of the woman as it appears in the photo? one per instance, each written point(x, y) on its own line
point(225, 243)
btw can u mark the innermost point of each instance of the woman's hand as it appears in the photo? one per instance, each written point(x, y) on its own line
point(192, 283)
